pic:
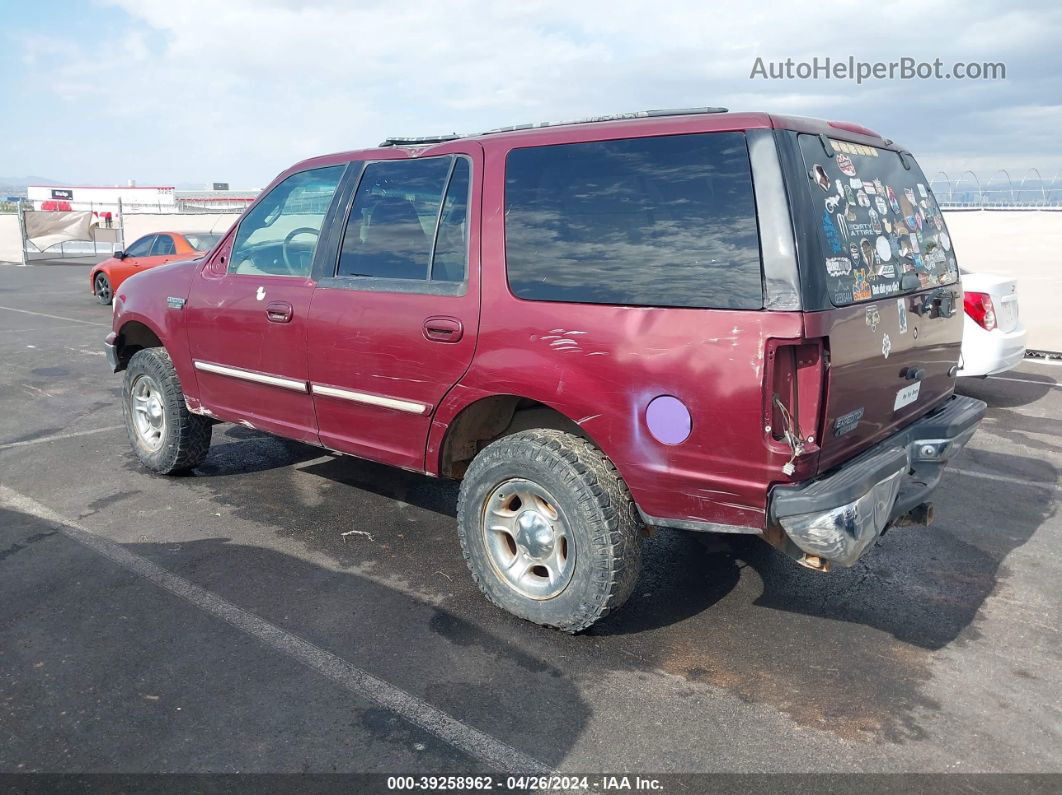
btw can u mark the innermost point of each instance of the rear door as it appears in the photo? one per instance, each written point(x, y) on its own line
point(394, 318)
point(894, 326)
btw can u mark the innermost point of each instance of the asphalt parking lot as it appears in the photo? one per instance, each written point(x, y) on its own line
point(288, 610)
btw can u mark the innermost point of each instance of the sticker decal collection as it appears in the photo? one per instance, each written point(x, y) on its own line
point(875, 232)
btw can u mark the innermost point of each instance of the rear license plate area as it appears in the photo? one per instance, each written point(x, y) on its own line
point(906, 396)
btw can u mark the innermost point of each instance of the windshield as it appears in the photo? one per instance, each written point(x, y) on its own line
point(201, 241)
point(879, 221)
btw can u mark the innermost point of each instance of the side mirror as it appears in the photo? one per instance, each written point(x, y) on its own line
point(119, 254)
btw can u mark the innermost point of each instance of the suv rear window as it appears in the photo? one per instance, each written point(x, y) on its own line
point(660, 221)
point(879, 221)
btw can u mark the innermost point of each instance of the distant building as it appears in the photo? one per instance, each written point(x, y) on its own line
point(137, 198)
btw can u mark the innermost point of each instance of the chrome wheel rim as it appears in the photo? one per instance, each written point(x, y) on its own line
point(147, 411)
point(103, 288)
point(528, 543)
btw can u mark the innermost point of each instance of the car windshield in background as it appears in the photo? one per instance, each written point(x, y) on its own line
point(202, 241)
point(879, 221)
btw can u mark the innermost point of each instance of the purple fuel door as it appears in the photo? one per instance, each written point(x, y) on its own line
point(668, 419)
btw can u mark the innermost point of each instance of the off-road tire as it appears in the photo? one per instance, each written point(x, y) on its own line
point(103, 296)
point(594, 502)
point(186, 439)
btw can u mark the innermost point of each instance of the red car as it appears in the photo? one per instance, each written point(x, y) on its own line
point(717, 322)
point(149, 251)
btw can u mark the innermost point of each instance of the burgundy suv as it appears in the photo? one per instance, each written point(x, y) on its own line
point(711, 321)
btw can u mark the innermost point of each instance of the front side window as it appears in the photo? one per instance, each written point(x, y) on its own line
point(879, 220)
point(163, 246)
point(409, 221)
point(278, 236)
point(660, 221)
point(140, 248)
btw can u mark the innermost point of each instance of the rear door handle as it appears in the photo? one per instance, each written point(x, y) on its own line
point(443, 329)
point(279, 312)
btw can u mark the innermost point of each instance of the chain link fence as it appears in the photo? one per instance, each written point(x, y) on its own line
point(998, 190)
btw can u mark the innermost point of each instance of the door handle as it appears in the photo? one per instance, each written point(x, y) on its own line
point(443, 329)
point(279, 312)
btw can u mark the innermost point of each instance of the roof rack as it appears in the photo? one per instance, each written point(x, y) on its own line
point(426, 139)
point(640, 114)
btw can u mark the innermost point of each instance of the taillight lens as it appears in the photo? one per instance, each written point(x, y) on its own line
point(979, 307)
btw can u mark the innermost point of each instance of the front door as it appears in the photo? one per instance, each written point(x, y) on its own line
point(247, 310)
point(394, 319)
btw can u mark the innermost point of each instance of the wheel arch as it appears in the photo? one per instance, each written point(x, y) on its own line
point(135, 335)
point(486, 419)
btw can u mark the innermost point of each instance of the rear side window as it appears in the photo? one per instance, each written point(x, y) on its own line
point(662, 221)
point(409, 221)
point(140, 248)
point(879, 221)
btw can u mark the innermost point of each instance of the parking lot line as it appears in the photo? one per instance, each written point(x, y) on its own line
point(1051, 384)
point(1041, 484)
point(59, 436)
point(494, 753)
point(56, 317)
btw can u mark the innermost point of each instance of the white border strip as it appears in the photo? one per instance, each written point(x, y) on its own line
point(249, 375)
point(489, 750)
point(408, 406)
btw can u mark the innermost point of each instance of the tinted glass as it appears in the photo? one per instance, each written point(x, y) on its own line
point(202, 241)
point(163, 245)
point(665, 221)
point(451, 244)
point(391, 228)
point(141, 248)
point(879, 221)
point(278, 236)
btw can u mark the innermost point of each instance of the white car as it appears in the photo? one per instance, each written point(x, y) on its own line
point(993, 338)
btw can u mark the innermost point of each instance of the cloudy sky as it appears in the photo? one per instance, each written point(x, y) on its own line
point(194, 91)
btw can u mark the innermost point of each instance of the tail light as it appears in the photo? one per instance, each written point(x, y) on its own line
point(979, 307)
point(796, 384)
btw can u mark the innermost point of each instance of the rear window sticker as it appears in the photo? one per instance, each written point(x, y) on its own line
point(869, 188)
point(875, 222)
point(860, 286)
point(862, 199)
point(886, 346)
point(856, 183)
point(918, 262)
point(822, 179)
point(922, 190)
point(938, 222)
point(945, 240)
point(838, 266)
point(842, 226)
point(909, 193)
point(915, 248)
point(873, 317)
point(844, 162)
point(868, 253)
point(879, 187)
point(849, 196)
point(919, 220)
point(881, 206)
point(886, 223)
point(884, 288)
point(883, 248)
point(831, 203)
point(891, 195)
point(853, 251)
point(829, 231)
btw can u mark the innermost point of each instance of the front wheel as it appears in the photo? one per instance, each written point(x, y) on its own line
point(165, 435)
point(549, 529)
point(102, 288)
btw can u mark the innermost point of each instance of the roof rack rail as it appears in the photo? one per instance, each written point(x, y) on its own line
point(640, 114)
point(426, 139)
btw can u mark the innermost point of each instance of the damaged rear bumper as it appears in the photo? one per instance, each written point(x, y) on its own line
point(836, 517)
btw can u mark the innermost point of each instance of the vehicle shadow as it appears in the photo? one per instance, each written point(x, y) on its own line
point(997, 392)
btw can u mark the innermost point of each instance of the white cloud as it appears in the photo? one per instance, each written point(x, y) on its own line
point(238, 90)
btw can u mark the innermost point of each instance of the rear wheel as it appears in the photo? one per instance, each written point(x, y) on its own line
point(549, 530)
point(102, 288)
point(165, 435)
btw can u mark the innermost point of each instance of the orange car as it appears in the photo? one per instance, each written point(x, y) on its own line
point(149, 251)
